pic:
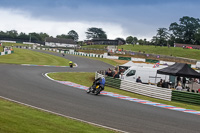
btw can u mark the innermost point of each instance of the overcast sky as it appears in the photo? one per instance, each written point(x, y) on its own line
point(118, 18)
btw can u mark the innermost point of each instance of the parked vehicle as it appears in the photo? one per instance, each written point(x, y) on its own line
point(198, 65)
point(147, 74)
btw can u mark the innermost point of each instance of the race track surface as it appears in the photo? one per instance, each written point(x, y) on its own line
point(27, 84)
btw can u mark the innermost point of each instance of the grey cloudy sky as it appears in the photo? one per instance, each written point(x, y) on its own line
point(118, 18)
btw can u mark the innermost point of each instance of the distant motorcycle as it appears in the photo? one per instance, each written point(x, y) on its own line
point(71, 64)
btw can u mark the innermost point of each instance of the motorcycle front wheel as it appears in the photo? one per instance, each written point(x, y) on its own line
point(88, 90)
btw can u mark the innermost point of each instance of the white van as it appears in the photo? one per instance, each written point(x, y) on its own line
point(198, 65)
point(147, 74)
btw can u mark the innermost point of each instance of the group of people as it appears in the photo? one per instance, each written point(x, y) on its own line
point(113, 73)
point(180, 83)
point(162, 83)
point(119, 74)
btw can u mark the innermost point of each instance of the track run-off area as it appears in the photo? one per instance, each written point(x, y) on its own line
point(28, 85)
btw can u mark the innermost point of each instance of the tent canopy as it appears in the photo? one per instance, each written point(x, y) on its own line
point(179, 69)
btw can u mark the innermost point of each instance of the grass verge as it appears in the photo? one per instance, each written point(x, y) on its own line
point(1, 49)
point(17, 118)
point(174, 51)
point(23, 56)
point(87, 79)
point(108, 61)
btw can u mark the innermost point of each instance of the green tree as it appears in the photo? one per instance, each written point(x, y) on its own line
point(154, 40)
point(162, 36)
point(186, 30)
point(65, 36)
point(23, 36)
point(95, 33)
point(135, 40)
point(129, 39)
point(197, 37)
point(35, 37)
point(141, 42)
point(43, 36)
point(145, 41)
point(74, 35)
point(12, 33)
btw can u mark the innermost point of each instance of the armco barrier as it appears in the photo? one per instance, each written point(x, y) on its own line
point(124, 58)
point(6, 52)
point(142, 89)
point(146, 90)
point(151, 61)
point(187, 97)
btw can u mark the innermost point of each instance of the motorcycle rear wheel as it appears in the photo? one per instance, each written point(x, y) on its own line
point(97, 91)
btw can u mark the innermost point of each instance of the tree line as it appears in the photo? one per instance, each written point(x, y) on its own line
point(187, 31)
point(34, 37)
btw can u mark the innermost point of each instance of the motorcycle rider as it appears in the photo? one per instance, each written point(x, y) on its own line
point(102, 82)
point(71, 64)
point(98, 83)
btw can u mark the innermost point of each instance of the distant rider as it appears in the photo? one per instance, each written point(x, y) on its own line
point(71, 64)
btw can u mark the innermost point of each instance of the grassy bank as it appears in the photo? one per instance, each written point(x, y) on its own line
point(86, 79)
point(16, 118)
point(23, 56)
point(174, 51)
point(95, 46)
point(1, 49)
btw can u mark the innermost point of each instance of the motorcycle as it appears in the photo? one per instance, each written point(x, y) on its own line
point(96, 88)
point(71, 65)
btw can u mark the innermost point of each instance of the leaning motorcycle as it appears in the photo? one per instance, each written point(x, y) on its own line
point(96, 88)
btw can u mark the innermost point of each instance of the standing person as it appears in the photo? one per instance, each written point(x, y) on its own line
point(116, 74)
point(184, 82)
point(121, 73)
point(179, 87)
point(138, 80)
point(165, 84)
point(178, 80)
point(159, 84)
point(109, 72)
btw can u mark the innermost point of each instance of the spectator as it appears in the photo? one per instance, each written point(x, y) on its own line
point(109, 72)
point(179, 87)
point(165, 84)
point(159, 84)
point(116, 74)
point(121, 73)
point(138, 80)
point(178, 80)
point(184, 82)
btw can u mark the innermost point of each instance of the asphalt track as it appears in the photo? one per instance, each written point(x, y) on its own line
point(27, 84)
